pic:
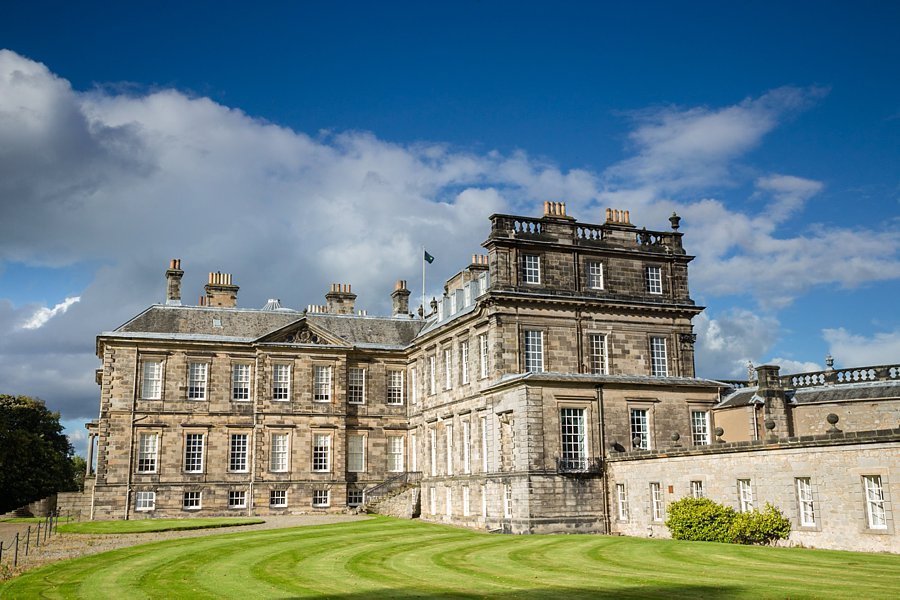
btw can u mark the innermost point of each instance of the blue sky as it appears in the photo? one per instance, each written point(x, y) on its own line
point(296, 144)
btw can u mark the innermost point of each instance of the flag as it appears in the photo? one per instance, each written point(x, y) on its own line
point(428, 258)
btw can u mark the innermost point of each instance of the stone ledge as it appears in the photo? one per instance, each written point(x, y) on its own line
point(805, 441)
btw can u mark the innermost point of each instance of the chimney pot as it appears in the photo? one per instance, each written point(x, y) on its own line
point(173, 282)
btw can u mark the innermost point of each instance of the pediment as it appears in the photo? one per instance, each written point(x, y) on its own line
point(302, 332)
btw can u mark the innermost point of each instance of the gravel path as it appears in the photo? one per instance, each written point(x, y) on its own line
point(70, 545)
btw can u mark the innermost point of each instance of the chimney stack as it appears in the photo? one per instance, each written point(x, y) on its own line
point(400, 298)
point(220, 291)
point(173, 282)
point(340, 299)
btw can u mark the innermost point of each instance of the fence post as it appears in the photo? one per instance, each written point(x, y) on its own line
point(1, 552)
point(27, 539)
point(16, 555)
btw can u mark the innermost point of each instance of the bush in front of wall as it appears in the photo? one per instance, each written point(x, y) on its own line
point(702, 520)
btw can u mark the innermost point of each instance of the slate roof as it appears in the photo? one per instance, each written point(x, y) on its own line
point(246, 325)
point(842, 392)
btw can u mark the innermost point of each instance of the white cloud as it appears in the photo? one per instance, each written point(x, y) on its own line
point(131, 181)
point(43, 314)
point(854, 350)
point(791, 367)
point(788, 194)
point(726, 343)
point(678, 149)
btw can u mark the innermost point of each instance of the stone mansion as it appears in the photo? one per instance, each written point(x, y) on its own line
point(550, 389)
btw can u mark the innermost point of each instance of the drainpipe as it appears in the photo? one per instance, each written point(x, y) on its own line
point(250, 501)
point(134, 379)
point(603, 470)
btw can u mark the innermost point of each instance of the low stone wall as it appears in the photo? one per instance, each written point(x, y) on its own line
point(77, 504)
point(404, 505)
point(834, 465)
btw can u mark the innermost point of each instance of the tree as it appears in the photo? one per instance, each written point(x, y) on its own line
point(35, 456)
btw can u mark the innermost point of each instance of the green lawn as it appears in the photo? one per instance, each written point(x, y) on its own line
point(32, 519)
point(391, 558)
point(153, 525)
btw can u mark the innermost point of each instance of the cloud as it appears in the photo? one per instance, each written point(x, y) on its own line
point(678, 149)
point(43, 314)
point(129, 180)
point(726, 343)
point(854, 350)
point(791, 367)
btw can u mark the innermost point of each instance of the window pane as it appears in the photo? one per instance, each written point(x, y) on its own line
point(197, 381)
point(321, 452)
point(240, 382)
point(598, 354)
point(281, 382)
point(574, 441)
point(356, 386)
point(658, 362)
point(356, 453)
point(322, 384)
point(151, 388)
point(193, 453)
point(700, 427)
point(279, 454)
point(395, 387)
point(532, 268)
point(640, 430)
point(238, 452)
point(654, 280)
point(534, 351)
point(595, 275)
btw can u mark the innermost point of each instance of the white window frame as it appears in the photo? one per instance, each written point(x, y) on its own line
point(237, 499)
point(876, 513)
point(465, 501)
point(659, 359)
point(448, 368)
point(192, 500)
point(700, 431)
point(240, 382)
point(151, 379)
point(507, 501)
point(321, 452)
point(622, 501)
point(595, 275)
point(599, 353)
point(278, 498)
point(654, 280)
point(238, 453)
point(198, 377)
point(279, 452)
point(806, 507)
point(531, 269)
point(432, 438)
point(356, 385)
point(432, 381)
point(484, 445)
point(483, 358)
point(573, 436)
point(639, 420)
point(448, 435)
point(745, 495)
point(356, 457)
point(697, 490)
point(395, 387)
point(466, 444)
point(464, 361)
point(194, 453)
point(534, 350)
point(148, 452)
point(395, 454)
point(321, 498)
point(144, 501)
point(322, 383)
point(281, 382)
point(657, 504)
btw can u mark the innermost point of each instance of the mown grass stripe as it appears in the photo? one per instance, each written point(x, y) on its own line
point(405, 559)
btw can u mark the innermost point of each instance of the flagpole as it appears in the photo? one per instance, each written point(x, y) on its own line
point(423, 280)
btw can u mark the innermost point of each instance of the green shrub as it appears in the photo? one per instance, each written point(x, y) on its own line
point(702, 520)
point(755, 527)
